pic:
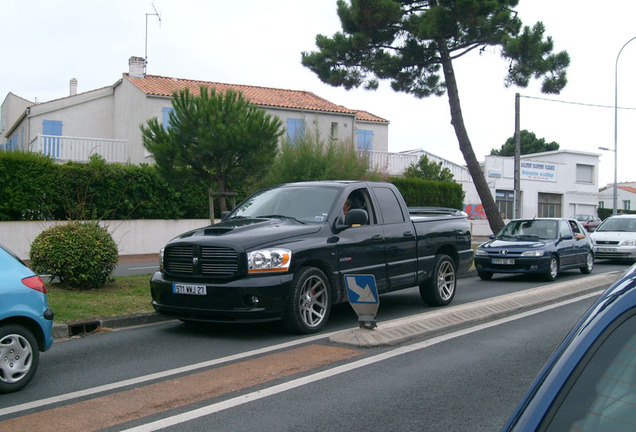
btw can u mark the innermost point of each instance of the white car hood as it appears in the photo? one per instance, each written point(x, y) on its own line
point(613, 236)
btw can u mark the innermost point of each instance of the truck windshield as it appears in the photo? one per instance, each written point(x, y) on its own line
point(305, 204)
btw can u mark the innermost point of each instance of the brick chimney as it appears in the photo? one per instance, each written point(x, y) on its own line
point(136, 67)
point(73, 87)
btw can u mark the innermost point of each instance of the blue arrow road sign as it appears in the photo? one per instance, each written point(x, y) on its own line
point(363, 297)
point(361, 289)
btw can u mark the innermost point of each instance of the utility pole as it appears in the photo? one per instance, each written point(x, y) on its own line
point(517, 179)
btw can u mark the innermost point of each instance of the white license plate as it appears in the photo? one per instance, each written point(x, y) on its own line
point(503, 261)
point(189, 289)
point(605, 249)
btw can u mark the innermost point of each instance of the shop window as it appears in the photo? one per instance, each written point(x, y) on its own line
point(549, 205)
point(505, 200)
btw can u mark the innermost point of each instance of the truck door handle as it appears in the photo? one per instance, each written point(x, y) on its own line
point(377, 237)
point(408, 234)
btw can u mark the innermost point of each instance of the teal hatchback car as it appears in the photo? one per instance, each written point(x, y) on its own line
point(25, 322)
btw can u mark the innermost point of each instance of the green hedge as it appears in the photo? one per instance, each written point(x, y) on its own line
point(34, 187)
point(430, 193)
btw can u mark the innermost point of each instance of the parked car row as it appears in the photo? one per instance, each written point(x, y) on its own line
point(549, 245)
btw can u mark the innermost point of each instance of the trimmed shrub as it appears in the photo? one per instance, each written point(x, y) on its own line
point(79, 255)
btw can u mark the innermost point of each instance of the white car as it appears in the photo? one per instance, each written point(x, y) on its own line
point(615, 238)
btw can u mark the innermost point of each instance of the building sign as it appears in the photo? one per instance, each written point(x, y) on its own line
point(539, 171)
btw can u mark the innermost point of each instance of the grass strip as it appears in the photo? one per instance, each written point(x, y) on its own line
point(124, 295)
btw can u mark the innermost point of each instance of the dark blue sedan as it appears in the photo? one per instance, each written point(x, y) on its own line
point(589, 383)
point(541, 245)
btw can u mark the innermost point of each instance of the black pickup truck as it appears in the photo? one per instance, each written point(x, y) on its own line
point(283, 254)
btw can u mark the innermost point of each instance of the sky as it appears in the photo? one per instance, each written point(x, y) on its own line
point(46, 43)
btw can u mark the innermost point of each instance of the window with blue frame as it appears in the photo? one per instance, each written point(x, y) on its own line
point(165, 119)
point(295, 129)
point(50, 144)
point(365, 139)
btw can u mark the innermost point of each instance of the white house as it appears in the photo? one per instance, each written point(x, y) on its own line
point(107, 120)
point(625, 196)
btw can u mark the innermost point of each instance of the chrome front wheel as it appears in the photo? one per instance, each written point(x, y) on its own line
point(309, 303)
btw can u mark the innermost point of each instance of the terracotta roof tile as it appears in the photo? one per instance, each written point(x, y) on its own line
point(627, 189)
point(262, 96)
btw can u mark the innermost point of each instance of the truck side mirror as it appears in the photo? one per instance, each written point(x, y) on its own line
point(357, 217)
point(354, 217)
point(224, 214)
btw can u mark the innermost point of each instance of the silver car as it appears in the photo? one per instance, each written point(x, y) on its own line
point(615, 238)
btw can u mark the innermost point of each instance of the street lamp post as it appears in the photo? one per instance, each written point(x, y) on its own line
point(616, 125)
point(612, 150)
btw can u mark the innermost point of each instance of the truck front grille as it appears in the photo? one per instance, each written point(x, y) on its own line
point(211, 261)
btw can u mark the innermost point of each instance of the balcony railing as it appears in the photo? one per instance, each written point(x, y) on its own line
point(78, 149)
point(397, 163)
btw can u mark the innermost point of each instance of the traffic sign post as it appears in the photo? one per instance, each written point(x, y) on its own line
point(363, 298)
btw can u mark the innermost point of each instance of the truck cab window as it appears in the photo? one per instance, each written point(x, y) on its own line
point(389, 206)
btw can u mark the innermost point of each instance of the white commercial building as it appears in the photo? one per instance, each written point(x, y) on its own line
point(552, 184)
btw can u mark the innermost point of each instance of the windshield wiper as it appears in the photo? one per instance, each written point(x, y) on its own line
point(278, 216)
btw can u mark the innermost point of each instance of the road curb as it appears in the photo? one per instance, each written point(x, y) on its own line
point(88, 326)
point(455, 317)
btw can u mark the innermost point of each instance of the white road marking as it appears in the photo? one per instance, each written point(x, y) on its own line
point(249, 397)
point(159, 375)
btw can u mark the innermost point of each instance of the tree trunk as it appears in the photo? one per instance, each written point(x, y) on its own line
point(222, 188)
point(457, 120)
point(211, 204)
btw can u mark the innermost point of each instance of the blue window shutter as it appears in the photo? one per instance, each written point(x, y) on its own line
point(365, 139)
point(51, 146)
point(165, 120)
point(295, 129)
point(52, 127)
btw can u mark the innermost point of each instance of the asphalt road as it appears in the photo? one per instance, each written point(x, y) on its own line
point(254, 377)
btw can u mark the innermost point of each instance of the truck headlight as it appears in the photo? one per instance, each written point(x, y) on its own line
point(268, 260)
point(161, 252)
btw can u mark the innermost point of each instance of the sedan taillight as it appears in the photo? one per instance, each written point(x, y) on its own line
point(35, 282)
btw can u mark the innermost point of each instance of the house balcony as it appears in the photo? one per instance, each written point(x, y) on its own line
point(396, 163)
point(79, 149)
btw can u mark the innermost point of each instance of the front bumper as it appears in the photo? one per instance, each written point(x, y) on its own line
point(250, 299)
point(521, 265)
point(615, 252)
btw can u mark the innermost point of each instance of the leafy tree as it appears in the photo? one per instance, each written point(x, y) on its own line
point(428, 170)
point(529, 144)
point(216, 138)
point(414, 43)
point(309, 157)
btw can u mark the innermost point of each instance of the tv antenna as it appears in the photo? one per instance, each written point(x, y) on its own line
point(156, 13)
